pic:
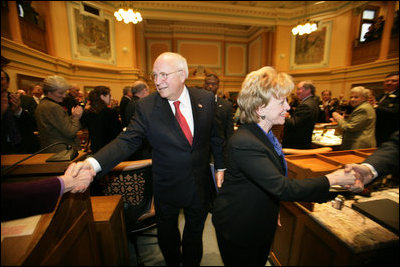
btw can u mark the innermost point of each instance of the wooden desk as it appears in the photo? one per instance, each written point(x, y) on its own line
point(330, 237)
point(110, 228)
point(63, 237)
point(319, 234)
point(37, 165)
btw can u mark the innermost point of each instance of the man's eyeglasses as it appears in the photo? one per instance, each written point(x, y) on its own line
point(162, 75)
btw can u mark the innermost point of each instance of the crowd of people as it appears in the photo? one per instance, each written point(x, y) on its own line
point(184, 129)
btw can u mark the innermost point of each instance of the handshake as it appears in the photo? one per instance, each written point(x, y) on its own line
point(77, 178)
point(352, 176)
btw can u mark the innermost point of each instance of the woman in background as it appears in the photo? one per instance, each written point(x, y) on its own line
point(102, 122)
point(53, 122)
point(246, 210)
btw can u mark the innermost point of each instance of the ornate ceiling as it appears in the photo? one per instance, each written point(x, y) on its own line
point(234, 16)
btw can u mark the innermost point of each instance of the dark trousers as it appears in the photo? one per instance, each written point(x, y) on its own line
point(235, 255)
point(169, 238)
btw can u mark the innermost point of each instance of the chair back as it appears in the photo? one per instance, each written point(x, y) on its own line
point(135, 184)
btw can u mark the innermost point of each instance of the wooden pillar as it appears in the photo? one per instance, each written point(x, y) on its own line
point(140, 49)
point(385, 41)
point(13, 20)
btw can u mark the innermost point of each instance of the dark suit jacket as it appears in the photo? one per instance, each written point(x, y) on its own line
point(69, 102)
point(297, 132)
point(179, 170)
point(386, 159)
point(103, 127)
point(224, 113)
point(122, 108)
point(130, 109)
point(23, 199)
point(247, 206)
point(28, 103)
point(387, 117)
point(17, 133)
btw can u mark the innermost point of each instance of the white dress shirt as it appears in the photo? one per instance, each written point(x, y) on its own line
point(185, 107)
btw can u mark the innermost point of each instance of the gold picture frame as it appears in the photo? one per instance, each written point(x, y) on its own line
point(91, 32)
point(311, 50)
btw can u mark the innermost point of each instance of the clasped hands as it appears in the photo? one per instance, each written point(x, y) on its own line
point(78, 177)
point(352, 177)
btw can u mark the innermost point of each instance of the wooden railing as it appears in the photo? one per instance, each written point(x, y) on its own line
point(365, 52)
point(33, 35)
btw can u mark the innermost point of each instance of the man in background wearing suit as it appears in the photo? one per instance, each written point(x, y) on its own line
point(179, 123)
point(387, 112)
point(224, 109)
point(125, 99)
point(298, 129)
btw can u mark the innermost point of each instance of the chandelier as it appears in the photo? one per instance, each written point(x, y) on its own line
point(128, 15)
point(307, 27)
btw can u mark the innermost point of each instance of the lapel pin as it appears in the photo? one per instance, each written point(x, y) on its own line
point(200, 106)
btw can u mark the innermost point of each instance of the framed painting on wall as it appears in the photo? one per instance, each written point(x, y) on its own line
point(311, 50)
point(91, 32)
point(27, 82)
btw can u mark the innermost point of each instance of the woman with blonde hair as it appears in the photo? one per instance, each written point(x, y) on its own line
point(246, 210)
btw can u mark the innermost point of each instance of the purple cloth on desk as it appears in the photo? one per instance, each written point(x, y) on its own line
point(23, 199)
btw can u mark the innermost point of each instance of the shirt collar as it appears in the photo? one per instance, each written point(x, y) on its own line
point(184, 98)
point(306, 98)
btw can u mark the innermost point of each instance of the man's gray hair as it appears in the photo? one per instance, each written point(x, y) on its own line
point(53, 83)
point(138, 86)
point(126, 90)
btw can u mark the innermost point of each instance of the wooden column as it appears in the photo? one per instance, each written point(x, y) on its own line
point(385, 41)
point(14, 22)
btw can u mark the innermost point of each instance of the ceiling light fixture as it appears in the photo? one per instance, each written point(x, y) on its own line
point(307, 27)
point(128, 14)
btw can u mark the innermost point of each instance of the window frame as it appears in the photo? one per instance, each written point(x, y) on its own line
point(364, 21)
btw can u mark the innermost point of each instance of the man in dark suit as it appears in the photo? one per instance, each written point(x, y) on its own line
point(387, 112)
point(17, 124)
point(224, 109)
point(70, 100)
point(298, 129)
point(181, 135)
point(125, 99)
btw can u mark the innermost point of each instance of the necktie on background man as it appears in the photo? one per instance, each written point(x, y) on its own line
point(182, 122)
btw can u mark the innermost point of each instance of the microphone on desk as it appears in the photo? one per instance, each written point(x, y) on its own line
point(65, 155)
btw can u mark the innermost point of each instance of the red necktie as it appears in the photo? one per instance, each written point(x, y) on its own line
point(182, 122)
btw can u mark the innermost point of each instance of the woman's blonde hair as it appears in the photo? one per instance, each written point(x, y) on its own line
point(257, 89)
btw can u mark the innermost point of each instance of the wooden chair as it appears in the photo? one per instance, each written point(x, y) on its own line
point(134, 182)
point(294, 151)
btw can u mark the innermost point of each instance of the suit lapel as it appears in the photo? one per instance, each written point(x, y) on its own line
point(263, 138)
point(196, 106)
point(167, 116)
